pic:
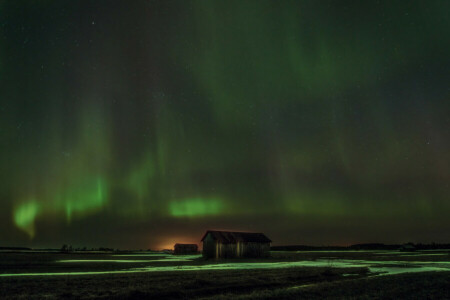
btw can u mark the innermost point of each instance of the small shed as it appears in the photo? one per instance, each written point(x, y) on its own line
point(229, 244)
point(180, 249)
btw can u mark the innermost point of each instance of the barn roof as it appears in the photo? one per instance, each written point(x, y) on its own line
point(228, 237)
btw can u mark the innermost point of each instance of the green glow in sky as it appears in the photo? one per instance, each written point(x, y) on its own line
point(155, 120)
point(82, 199)
point(25, 215)
point(87, 198)
point(68, 180)
point(196, 207)
point(139, 178)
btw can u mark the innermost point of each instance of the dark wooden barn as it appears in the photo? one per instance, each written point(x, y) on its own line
point(227, 244)
point(181, 249)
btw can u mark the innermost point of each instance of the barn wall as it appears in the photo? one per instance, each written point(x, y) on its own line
point(255, 249)
point(215, 249)
point(243, 250)
point(228, 251)
point(209, 247)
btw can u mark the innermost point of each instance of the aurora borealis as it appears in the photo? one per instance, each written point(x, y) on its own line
point(138, 124)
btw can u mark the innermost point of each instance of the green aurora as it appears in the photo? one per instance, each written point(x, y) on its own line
point(141, 124)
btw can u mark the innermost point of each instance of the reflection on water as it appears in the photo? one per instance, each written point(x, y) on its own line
point(422, 254)
point(147, 254)
point(104, 260)
point(375, 267)
point(122, 260)
point(67, 273)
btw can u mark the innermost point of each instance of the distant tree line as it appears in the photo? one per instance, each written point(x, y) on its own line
point(66, 248)
point(15, 248)
point(69, 248)
point(370, 246)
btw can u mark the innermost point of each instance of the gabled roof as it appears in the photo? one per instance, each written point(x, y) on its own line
point(228, 237)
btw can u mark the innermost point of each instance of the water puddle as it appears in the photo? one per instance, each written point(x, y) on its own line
point(123, 260)
point(375, 267)
point(147, 254)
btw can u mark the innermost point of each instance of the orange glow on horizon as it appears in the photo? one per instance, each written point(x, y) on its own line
point(170, 242)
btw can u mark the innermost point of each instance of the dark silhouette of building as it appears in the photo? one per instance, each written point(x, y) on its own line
point(227, 244)
point(185, 249)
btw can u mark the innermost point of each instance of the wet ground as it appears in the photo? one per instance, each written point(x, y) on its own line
point(56, 264)
point(286, 275)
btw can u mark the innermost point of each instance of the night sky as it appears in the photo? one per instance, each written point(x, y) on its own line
point(138, 124)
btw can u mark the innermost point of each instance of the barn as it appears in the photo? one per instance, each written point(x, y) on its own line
point(228, 244)
point(180, 249)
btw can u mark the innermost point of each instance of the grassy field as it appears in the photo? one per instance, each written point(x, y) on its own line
point(286, 275)
point(427, 285)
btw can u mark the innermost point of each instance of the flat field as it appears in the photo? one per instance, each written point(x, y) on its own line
point(286, 275)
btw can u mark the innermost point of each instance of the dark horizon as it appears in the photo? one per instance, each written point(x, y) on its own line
point(284, 247)
point(169, 242)
point(142, 124)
